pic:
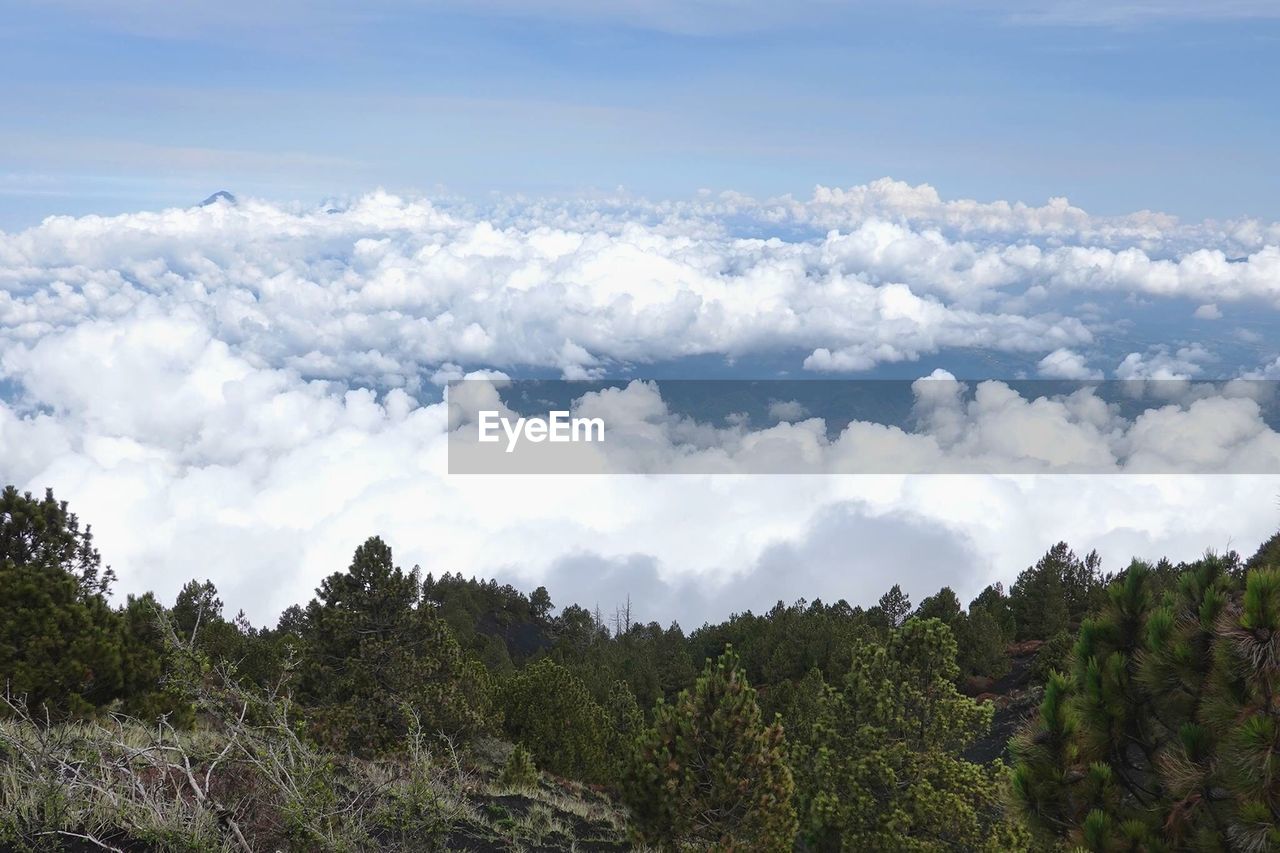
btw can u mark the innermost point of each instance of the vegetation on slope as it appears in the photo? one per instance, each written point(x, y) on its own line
point(403, 711)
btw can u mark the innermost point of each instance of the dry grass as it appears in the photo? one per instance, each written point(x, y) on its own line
point(245, 779)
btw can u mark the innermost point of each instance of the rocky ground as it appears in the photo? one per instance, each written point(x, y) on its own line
point(1016, 699)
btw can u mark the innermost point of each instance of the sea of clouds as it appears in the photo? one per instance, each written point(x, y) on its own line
point(245, 391)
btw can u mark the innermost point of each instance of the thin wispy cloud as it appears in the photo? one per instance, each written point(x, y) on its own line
point(302, 100)
point(698, 18)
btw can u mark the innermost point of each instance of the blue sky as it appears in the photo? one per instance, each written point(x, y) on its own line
point(1151, 104)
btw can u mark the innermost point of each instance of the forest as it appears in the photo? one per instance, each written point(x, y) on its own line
point(1081, 708)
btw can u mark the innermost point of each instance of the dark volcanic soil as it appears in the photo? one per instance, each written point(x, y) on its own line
point(1016, 700)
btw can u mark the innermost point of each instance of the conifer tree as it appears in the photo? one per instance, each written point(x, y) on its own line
point(61, 644)
point(943, 606)
point(1243, 713)
point(879, 760)
point(895, 606)
point(1163, 735)
point(624, 722)
point(146, 662)
point(1056, 593)
point(710, 773)
point(373, 659)
point(1267, 556)
point(983, 635)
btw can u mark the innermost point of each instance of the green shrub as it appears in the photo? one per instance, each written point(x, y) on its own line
point(550, 712)
point(1053, 656)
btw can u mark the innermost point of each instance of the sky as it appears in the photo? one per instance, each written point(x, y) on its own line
point(116, 105)
point(425, 191)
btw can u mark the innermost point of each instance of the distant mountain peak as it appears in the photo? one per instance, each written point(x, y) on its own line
point(220, 195)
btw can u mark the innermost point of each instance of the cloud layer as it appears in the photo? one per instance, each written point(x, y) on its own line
point(387, 291)
point(243, 392)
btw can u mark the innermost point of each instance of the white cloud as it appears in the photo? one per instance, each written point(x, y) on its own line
point(1269, 371)
point(268, 509)
point(388, 291)
point(1161, 364)
point(787, 410)
point(237, 391)
point(1063, 363)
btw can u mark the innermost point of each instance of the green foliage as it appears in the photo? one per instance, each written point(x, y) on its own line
point(44, 534)
point(60, 642)
point(878, 762)
point(549, 710)
point(1056, 593)
point(540, 605)
point(894, 606)
point(782, 645)
point(243, 780)
point(710, 772)
point(519, 772)
point(494, 623)
point(420, 804)
point(146, 662)
point(983, 634)
point(1158, 727)
point(1163, 734)
point(653, 661)
point(374, 659)
point(1053, 656)
point(625, 721)
point(944, 606)
point(1267, 556)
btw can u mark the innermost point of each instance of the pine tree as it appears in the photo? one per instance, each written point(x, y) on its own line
point(983, 635)
point(61, 644)
point(1164, 733)
point(45, 534)
point(540, 605)
point(895, 606)
point(710, 773)
point(943, 606)
point(879, 761)
point(624, 721)
point(1243, 714)
point(146, 662)
point(375, 662)
point(197, 605)
point(1056, 593)
point(1267, 556)
point(1090, 771)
